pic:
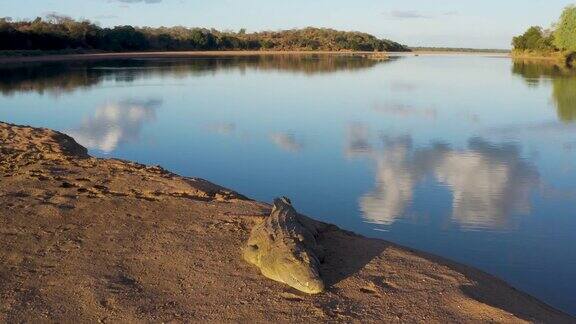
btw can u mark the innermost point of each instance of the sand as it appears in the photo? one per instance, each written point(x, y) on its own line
point(101, 240)
point(177, 54)
point(193, 54)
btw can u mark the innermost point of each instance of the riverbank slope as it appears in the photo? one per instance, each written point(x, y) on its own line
point(87, 239)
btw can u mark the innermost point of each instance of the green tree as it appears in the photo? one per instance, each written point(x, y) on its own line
point(565, 35)
point(534, 39)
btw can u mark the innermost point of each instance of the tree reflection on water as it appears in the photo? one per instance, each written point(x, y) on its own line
point(563, 80)
point(65, 77)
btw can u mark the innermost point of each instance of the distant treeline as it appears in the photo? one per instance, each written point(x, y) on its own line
point(63, 33)
point(559, 40)
point(459, 49)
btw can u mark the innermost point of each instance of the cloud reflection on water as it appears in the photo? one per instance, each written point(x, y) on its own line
point(405, 110)
point(358, 140)
point(287, 142)
point(222, 128)
point(396, 177)
point(115, 123)
point(489, 183)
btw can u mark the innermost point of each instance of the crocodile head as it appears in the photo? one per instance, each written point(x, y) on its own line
point(301, 274)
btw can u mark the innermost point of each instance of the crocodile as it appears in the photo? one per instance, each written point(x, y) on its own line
point(285, 248)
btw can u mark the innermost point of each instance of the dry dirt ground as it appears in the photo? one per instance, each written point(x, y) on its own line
point(93, 240)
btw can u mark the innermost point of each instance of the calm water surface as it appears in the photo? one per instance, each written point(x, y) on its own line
point(471, 158)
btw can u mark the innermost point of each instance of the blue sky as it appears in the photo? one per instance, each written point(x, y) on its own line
point(456, 23)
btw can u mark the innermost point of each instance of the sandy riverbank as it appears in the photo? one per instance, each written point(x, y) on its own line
point(86, 239)
point(556, 57)
point(462, 53)
point(157, 55)
point(166, 55)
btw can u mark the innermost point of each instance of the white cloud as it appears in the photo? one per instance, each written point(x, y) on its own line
point(106, 17)
point(406, 14)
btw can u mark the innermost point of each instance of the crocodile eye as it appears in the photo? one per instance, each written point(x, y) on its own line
point(254, 247)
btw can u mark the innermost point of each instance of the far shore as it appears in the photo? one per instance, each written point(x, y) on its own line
point(555, 57)
point(175, 54)
point(187, 54)
point(549, 59)
point(472, 53)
